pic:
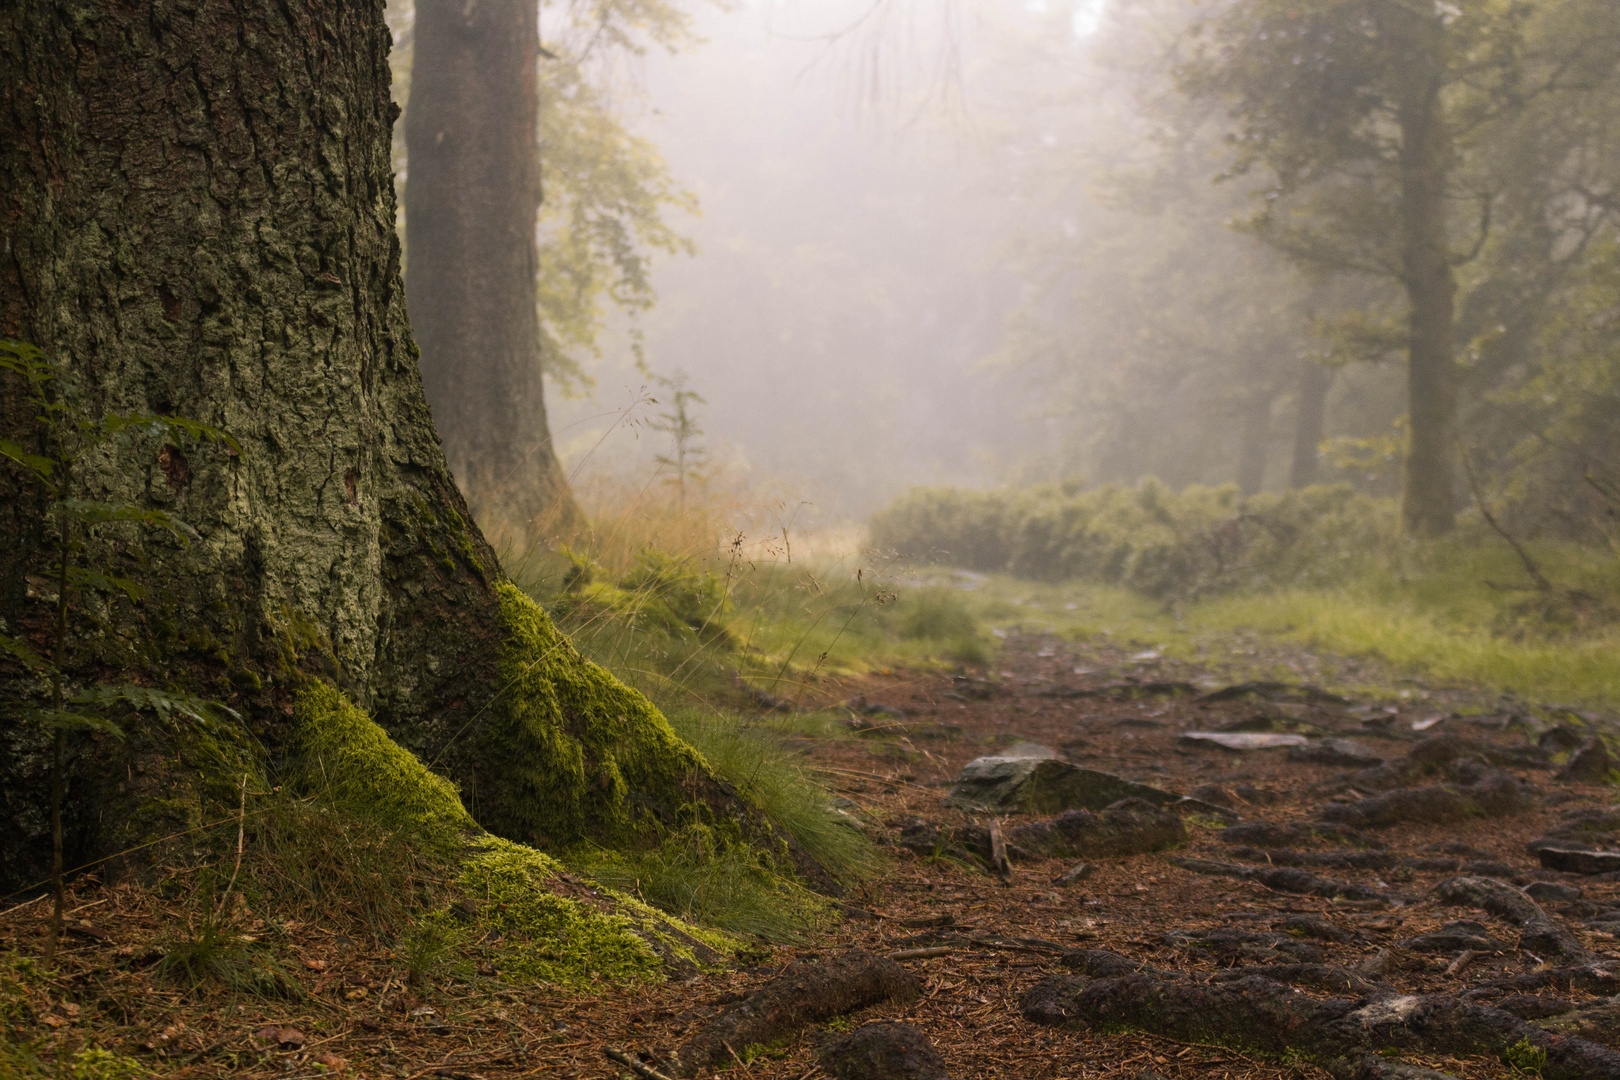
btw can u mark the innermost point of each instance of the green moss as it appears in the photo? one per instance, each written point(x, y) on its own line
point(160, 817)
point(343, 750)
point(98, 1064)
point(536, 933)
point(1525, 1058)
point(569, 941)
point(575, 751)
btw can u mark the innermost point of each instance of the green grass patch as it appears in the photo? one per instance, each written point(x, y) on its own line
point(1449, 613)
point(748, 754)
point(696, 876)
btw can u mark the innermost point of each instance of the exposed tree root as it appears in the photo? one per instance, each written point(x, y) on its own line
point(1261, 1014)
point(807, 992)
point(1287, 879)
point(1538, 933)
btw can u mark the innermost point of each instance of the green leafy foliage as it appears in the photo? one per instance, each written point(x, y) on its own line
point(1525, 1058)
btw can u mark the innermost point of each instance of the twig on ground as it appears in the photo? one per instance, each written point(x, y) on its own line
point(919, 954)
point(1464, 958)
point(998, 852)
point(636, 1066)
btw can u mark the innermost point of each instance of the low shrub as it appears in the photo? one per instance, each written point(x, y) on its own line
point(1166, 545)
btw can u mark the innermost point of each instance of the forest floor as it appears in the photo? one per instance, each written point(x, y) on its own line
point(1103, 706)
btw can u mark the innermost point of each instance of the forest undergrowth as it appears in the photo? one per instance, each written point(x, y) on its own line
point(1324, 568)
point(762, 649)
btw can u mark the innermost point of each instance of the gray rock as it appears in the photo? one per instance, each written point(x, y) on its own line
point(1027, 750)
point(1243, 740)
point(1576, 861)
point(1043, 786)
point(1129, 827)
point(1212, 793)
point(1551, 891)
point(1075, 874)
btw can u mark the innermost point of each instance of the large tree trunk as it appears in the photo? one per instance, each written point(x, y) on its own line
point(1428, 499)
point(471, 133)
point(197, 216)
point(1309, 419)
point(1256, 441)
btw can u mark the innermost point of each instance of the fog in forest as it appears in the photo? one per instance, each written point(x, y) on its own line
point(680, 533)
point(954, 244)
point(852, 276)
point(819, 254)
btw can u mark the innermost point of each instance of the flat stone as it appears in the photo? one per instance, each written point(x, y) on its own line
point(1552, 891)
point(1075, 874)
point(1575, 861)
point(1243, 740)
point(1027, 750)
point(1043, 786)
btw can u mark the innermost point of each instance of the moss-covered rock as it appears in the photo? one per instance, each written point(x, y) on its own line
point(569, 751)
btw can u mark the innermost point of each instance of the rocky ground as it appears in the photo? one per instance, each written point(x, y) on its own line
point(1302, 885)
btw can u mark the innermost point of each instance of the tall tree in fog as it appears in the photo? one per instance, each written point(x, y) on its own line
point(1370, 123)
point(499, 297)
point(470, 208)
point(1147, 315)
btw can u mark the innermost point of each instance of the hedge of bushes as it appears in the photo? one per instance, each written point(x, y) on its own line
point(1148, 538)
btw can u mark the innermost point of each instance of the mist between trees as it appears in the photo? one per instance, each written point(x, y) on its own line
point(1190, 241)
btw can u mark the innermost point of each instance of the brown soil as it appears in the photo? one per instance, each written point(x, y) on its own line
point(1096, 705)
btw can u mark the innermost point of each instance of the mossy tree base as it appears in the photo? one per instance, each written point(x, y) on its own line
point(552, 927)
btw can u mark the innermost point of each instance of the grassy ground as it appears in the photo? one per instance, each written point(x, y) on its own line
point(1458, 615)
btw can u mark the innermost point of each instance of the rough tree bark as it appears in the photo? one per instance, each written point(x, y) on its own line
point(471, 134)
point(1314, 383)
point(1428, 498)
point(197, 215)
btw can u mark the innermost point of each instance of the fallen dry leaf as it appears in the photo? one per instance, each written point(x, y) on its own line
point(289, 1037)
point(331, 1061)
point(315, 965)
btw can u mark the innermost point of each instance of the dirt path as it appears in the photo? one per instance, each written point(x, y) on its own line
point(1201, 909)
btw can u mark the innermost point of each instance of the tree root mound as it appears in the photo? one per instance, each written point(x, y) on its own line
point(1128, 827)
point(806, 992)
point(885, 1051)
point(1480, 791)
point(1538, 933)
